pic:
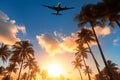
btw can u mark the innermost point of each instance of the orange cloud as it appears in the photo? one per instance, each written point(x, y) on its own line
point(54, 46)
point(61, 43)
point(50, 44)
point(58, 44)
point(69, 43)
point(8, 29)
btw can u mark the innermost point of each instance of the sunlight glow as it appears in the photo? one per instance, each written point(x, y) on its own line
point(54, 70)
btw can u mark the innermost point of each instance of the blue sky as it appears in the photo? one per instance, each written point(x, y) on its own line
point(37, 24)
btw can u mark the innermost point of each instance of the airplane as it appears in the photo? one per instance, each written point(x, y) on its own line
point(57, 8)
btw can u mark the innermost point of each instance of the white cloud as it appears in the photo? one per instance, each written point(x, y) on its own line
point(12, 21)
point(9, 30)
point(22, 28)
point(3, 16)
point(115, 42)
point(102, 31)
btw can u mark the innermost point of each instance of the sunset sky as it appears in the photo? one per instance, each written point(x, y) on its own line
point(53, 36)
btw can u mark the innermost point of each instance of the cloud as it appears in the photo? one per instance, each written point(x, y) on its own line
point(9, 30)
point(61, 43)
point(3, 17)
point(68, 43)
point(102, 31)
point(50, 44)
point(59, 35)
point(115, 42)
point(22, 28)
point(53, 45)
point(12, 21)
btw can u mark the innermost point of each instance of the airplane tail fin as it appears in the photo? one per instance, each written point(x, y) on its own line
point(56, 14)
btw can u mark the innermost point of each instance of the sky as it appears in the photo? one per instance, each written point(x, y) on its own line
point(53, 36)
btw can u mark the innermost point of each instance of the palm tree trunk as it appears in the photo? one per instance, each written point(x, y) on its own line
point(80, 74)
point(103, 57)
point(86, 69)
point(20, 70)
point(96, 63)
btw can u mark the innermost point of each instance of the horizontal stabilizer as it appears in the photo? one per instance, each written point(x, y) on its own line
point(56, 14)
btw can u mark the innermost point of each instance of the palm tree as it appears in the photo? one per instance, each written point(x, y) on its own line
point(36, 70)
point(2, 69)
point(104, 12)
point(82, 53)
point(4, 52)
point(33, 75)
point(11, 68)
point(78, 65)
point(113, 67)
point(24, 76)
point(87, 70)
point(86, 36)
point(86, 17)
point(111, 9)
point(22, 51)
point(6, 77)
point(31, 64)
point(33, 68)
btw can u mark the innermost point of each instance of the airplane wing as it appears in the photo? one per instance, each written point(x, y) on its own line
point(65, 8)
point(51, 7)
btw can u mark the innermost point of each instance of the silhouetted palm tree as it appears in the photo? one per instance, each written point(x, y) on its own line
point(78, 65)
point(24, 76)
point(82, 53)
point(86, 36)
point(2, 69)
point(4, 52)
point(11, 68)
point(36, 70)
point(86, 17)
point(6, 77)
point(104, 12)
point(87, 70)
point(113, 67)
point(31, 64)
point(22, 51)
point(111, 9)
point(33, 75)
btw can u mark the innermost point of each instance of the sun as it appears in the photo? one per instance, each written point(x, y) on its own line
point(54, 70)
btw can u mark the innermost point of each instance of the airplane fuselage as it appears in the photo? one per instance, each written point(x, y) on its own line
point(58, 8)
